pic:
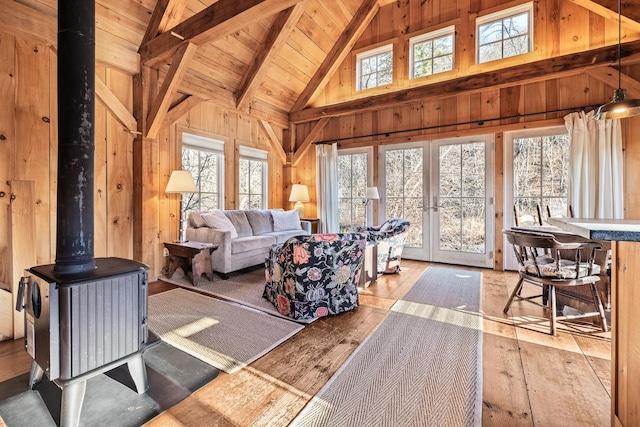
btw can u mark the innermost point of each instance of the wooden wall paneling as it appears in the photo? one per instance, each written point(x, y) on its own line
point(597, 31)
point(101, 184)
point(498, 200)
point(365, 122)
point(573, 91)
point(431, 115)
point(510, 103)
point(475, 107)
point(552, 100)
point(573, 32)
point(243, 128)
point(32, 125)
point(448, 114)
point(534, 97)
point(53, 150)
point(490, 104)
point(630, 138)
point(169, 159)
point(306, 174)
point(7, 144)
point(448, 10)
point(463, 111)
point(22, 235)
point(427, 13)
point(119, 172)
point(553, 17)
point(385, 120)
point(465, 38)
point(230, 171)
point(625, 389)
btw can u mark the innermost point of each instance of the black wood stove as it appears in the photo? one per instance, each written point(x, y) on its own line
point(83, 316)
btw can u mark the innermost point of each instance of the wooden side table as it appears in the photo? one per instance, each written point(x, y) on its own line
point(191, 256)
point(314, 224)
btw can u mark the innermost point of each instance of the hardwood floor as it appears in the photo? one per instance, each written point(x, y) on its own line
point(529, 377)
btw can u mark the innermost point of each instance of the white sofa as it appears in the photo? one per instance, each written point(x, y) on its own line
point(243, 237)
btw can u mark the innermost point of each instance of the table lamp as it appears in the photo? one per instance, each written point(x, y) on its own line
point(180, 182)
point(299, 194)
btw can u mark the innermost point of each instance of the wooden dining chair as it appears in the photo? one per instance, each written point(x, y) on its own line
point(555, 274)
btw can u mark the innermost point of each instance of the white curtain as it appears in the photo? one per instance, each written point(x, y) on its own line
point(327, 187)
point(595, 166)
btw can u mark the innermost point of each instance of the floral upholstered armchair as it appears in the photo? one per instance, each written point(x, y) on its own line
point(316, 275)
point(390, 237)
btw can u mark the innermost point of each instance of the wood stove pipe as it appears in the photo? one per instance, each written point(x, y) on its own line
point(76, 146)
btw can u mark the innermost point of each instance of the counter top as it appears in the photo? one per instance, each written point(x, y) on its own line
point(624, 230)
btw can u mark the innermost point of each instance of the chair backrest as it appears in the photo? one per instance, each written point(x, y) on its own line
point(534, 250)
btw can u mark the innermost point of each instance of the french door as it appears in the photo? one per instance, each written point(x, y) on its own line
point(445, 189)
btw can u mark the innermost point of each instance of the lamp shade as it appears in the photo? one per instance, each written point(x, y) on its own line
point(181, 182)
point(372, 193)
point(619, 108)
point(299, 193)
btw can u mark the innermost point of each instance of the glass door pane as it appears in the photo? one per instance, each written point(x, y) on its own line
point(460, 209)
point(404, 193)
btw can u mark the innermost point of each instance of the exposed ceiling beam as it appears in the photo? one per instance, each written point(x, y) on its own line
point(116, 107)
point(215, 22)
point(182, 108)
point(361, 19)
point(167, 14)
point(276, 38)
point(24, 22)
point(310, 139)
point(565, 65)
point(607, 13)
point(169, 88)
point(609, 76)
point(273, 139)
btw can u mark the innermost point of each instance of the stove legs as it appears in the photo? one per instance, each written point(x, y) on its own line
point(71, 405)
point(138, 373)
point(35, 375)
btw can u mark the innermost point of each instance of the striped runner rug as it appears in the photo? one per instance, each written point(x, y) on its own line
point(421, 367)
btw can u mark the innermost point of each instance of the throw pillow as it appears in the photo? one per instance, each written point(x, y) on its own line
point(218, 220)
point(386, 226)
point(287, 220)
point(195, 220)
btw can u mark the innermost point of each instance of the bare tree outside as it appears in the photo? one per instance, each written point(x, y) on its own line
point(352, 187)
point(433, 56)
point(504, 38)
point(376, 70)
point(404, 172)
point(251, 184)
point(204, 168)
point(462, 197)
point(541, 174)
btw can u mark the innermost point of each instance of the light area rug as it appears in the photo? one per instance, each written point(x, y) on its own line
point(421, 367)
point(245, 288)
point(225, 335)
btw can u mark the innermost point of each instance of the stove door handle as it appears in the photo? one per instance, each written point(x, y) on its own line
point(20, 296)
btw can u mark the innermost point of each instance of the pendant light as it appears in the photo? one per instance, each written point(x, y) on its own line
point(619, 107)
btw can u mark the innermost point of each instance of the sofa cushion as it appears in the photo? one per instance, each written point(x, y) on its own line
point(195, 220)
point(248, 243)
point(239, 220)
point(218, 220)
point(283, 236)
point(287, 220)
point(260, 221)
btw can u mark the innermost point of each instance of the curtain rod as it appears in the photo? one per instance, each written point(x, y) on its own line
point(478, 122)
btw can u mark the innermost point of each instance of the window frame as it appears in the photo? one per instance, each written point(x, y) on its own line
point(431, 36)
point(255, 155)
point(369, 53)
point(500, 16)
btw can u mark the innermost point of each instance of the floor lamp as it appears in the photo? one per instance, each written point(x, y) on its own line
point(372, 194)
point(181, 182)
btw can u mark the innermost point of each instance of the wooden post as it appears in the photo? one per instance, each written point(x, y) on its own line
point(22, 235)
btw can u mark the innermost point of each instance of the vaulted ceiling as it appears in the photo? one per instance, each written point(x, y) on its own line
point(271, 56)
